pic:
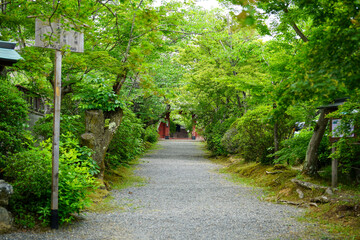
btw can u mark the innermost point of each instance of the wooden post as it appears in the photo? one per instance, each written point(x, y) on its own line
point(56, 142)
point(76, 42)
point(334, 170)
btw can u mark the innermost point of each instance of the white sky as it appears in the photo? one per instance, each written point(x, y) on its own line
point(210, 4)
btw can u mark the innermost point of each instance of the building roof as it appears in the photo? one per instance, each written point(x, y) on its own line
point(334, 105)
point(8, 56)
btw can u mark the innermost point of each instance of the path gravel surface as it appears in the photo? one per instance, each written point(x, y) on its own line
point(185, 198)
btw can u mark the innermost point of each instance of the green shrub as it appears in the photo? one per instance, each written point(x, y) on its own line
point(13, 117)
point(254, 138)
point(43, 128)
point(293, 150)
point(97, 93)
point(227, 140)
point(151, 134)
point(172, 127)
point(127, 143)
point(30, 174)
point(214, 133)
point(347, 154)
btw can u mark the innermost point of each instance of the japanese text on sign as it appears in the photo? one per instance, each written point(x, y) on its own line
point(51, 35)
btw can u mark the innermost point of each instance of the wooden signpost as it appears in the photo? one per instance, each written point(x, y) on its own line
point(335, 136)
point(51, 35)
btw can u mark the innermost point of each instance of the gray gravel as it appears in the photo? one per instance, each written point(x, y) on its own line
point(185, 198)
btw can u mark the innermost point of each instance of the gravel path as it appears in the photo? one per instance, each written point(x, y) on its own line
point(185, 198)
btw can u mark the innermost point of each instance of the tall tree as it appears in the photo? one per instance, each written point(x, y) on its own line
point(324, 66)
point(118, 38)
point(131, 31)
point(224, 78)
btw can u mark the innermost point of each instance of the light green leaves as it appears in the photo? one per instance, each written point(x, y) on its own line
point(97, 93)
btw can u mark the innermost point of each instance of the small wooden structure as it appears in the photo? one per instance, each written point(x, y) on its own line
point(37, 102)
point(334, 124)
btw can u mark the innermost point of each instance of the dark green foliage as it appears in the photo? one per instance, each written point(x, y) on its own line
point(30, 174)
point(13, 116)
point(227, 140)
point(255, 136)
point(97, 93)
point(347, 154)
point(214, 133)
point(127, 143)
point(148, 108)
point(151, 134)
point(172, 127)
point(43, 128)
point(293, 150)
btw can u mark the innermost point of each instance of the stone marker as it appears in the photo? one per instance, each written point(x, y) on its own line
point(6, 191)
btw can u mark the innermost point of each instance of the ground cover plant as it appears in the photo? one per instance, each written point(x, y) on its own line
point(30, 174)
point(128, 142)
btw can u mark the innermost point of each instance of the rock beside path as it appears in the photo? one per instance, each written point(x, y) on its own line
point(6, 191)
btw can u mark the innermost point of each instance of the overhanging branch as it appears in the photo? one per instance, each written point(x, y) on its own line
point(297, 30)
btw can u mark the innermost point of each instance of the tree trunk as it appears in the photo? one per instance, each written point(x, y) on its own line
point(100, 127)
point(311, 159)
point(276, 134)
point(276, 138)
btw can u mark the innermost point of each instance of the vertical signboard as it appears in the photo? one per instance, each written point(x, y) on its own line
point(51, 34)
